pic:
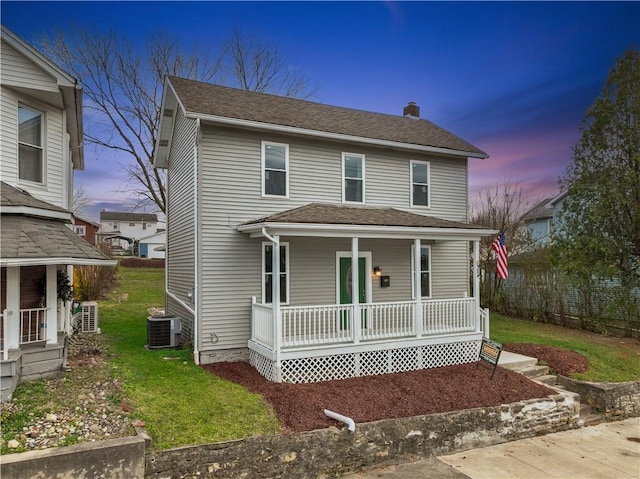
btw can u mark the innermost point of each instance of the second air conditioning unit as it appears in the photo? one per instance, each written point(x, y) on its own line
point(89, 317)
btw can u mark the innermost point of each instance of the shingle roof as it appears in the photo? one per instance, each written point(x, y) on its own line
point(122, 216)
point(208, 99)
point(542, 210)
point(317, 213)
point(27, 237)
point(11, 196)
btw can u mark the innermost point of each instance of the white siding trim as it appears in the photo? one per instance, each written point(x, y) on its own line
point(413, 275)
point(288, 271)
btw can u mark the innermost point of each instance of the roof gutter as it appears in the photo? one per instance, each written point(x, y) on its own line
point(333, 136)
point(46, 261)
point(365, 231)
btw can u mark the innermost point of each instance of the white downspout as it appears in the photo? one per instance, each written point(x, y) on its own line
point(196, 256)
point(351, 425)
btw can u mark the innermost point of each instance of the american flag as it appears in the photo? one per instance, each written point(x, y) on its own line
point(500, 247)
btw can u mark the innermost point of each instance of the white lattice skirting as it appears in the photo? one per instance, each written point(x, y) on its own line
point(367, 363)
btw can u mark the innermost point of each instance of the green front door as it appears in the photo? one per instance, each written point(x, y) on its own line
point(346, 287)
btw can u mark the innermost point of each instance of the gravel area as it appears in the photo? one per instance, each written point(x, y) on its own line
point(82, 404)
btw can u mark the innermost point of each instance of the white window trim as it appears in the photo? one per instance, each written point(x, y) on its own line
point(81, 230)
point(413, 273)
point(428, 184)
point(368, 268)
point(263, 273)
point(263, 168)
point(43, 144)
point(344, 178)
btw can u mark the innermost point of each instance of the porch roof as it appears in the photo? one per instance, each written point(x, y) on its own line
point(29, 240)
point(317, 219)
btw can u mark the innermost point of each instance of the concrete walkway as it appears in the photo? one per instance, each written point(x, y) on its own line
point(607, 451)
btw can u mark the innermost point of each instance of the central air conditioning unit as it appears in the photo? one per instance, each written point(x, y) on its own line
point(89, 317)
point(163, 331)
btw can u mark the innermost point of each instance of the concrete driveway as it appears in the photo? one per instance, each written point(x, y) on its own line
point(607, 451)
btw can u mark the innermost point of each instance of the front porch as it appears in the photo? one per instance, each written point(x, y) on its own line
point(321, 343)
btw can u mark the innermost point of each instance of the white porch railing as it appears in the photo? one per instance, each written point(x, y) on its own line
point(33, 325)
point(332, 324)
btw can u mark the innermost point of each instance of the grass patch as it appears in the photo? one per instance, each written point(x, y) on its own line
point(181, 403)
point(610, 359)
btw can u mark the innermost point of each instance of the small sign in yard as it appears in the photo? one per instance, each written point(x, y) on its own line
point(490, 352)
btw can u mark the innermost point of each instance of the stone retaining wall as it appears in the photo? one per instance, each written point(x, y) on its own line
point(328, 452)
point(615, 400)
point(121, 458)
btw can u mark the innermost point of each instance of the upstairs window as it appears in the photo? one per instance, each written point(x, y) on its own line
point(30, 151)
point(80, 230)
point(352, 178)
point(275, 167)
point(420, 191)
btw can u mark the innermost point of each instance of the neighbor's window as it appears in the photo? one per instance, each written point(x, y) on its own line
point(275, 165)
point(80, 230)
point(425, 271)
point(419, 183)
point(132, 224)
point(30, 151)
point(352, 178)
point(267, 272)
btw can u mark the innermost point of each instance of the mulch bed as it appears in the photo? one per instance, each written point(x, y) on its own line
point(560, 361)
point(300, 407)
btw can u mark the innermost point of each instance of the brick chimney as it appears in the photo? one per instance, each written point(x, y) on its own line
point(411, 110)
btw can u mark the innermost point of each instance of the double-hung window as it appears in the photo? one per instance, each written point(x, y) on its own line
point(352, 178)
point(267, 273)
point(420, 176)
point(80, 230)
point(30, 145)
point(425, 270)
point(275, 169)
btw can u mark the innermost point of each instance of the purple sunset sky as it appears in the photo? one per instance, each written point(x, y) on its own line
point(513, 78)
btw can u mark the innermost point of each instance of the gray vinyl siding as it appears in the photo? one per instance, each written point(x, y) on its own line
point(230, 194)
point(450, 268)
point(17, 70)
point(180, 252)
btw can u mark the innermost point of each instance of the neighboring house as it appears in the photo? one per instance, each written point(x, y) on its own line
point(41, 125)
point(123, 230)
point(153, 246)
point(542, 219)
point(86, 229)
point(262, 187)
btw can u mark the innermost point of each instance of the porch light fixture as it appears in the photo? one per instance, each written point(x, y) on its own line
point(377, 271)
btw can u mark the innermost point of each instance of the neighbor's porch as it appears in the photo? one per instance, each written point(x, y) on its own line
point(360, 334)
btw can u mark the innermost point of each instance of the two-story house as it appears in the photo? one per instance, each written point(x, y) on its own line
point(123, 230)
point(272, 200)
point(41, 130)
point(86, 229)
point(542, 219)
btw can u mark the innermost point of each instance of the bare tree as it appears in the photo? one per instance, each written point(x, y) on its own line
point(501, 208)
point(123, 89)
point(80, 201)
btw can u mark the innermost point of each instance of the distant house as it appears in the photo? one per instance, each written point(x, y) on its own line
point(123, 230)
point(153, 246)
point(86, 229)
point(316, 241)
point(542, 219)
point(41, 130)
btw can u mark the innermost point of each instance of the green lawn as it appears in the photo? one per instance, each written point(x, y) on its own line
point(180, 402)
point(610, 359)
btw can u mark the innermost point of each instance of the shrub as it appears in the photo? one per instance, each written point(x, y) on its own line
point(142, 263)
point(92, 282)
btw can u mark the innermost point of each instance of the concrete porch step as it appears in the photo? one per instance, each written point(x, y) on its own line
point(589, 417)
point(514, 361)
point(548, 379)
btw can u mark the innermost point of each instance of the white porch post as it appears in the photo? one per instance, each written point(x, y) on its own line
point(12, 333)
point(275, 299)
point(51, 315)
point(476, 284)
point(417, 290)
point(355, 291)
